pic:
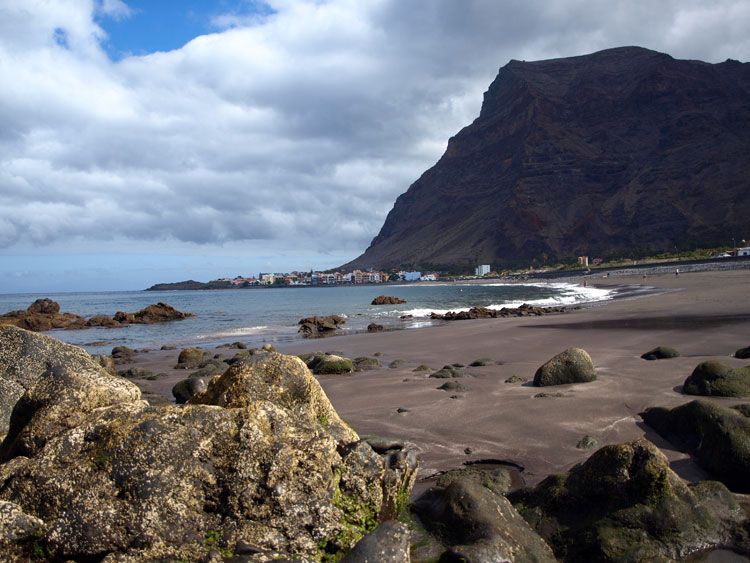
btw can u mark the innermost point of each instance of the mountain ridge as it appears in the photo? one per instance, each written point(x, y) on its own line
point(623, 151)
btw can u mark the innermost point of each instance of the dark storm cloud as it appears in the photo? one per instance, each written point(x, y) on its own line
point(301, 128)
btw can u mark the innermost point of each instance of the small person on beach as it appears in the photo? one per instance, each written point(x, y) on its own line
point(677, 272)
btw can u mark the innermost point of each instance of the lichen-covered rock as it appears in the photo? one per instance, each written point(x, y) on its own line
point(388, 543)
point(713, 378)
point(107, 363)
point(18, 530)
point(625, 504)
point(261, 464)
point(479, 525)
point(25, 357)
point(283, 380)
point(190, 358)
point(719, 438)
point(661, 353)
point(574, 365)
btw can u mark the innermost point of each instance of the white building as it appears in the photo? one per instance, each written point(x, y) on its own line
point(744, 251)
point(428, 277)
point(410, 276)
point(482, 269)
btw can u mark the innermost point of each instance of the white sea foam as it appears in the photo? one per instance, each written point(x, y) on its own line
point(241, 331)
point(569, 294)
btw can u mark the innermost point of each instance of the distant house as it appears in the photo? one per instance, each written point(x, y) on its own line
point(744, 251)
point(410, 276)
point(482, 269)
point(583, 261)
point(428, 277)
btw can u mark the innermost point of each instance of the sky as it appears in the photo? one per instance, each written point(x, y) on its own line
point(146, 141)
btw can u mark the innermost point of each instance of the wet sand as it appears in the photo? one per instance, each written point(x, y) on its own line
point(704, 315)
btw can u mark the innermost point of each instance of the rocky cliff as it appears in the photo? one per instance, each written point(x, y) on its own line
point(622, 152)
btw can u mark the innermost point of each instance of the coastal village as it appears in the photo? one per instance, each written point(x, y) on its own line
point(313, 278)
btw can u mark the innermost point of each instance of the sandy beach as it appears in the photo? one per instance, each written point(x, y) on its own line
point(703, 315)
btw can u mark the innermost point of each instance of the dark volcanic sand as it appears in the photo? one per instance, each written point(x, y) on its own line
point(704, 316)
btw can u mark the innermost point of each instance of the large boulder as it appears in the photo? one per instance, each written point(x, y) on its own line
point(718, 437)
point(259, 464)
point(44, 307)
point(713, 378)
point(328, 364)
point(190, 358)
point(479, 525)
point(388, 543)
point(743, 353)
point(158, 313)
point(625, 504)
point(18, 531)
point(184, 390)
point(574, 365)
point(26, 357)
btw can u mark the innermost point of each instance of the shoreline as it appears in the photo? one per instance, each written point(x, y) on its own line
point(502, 421)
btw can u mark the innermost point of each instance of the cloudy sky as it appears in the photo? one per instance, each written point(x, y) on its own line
point(157, 140)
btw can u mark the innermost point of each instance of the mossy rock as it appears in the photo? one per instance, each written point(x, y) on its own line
point(496, 479)
point(446, 372)
point(421, 367)
point(190, 358)
point(743, 353)
point(661, 353)
point(395, 364)
point(333, 365)
point(586, 443)
point(714, 378)
point(574, 365)
point(718, 437)
point(453, 386)
point(516, 379)
point(625, 504)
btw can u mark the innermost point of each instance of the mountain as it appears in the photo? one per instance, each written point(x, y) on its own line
point(622, 152)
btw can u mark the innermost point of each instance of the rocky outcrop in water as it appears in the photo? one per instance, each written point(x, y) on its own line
point(320, 326)
point(387, 300)
point(524, 310)
point(258, 465)
point(44, 314)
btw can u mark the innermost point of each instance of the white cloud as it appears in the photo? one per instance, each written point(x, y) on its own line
point(291, 132)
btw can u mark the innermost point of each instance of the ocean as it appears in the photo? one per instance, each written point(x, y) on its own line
point(256, 316)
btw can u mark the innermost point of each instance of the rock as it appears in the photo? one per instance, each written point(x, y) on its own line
point(235, 345)
point(397, 363)
point(320, 326)
point(374, 327)
point(447, 372)
point(25, 357)
point(402, 410)
point(479, 524)
point(743, 353)
point(571, 366)
point(258, 464)
point(103, 321)
point(388, 543)
point(327, 364)
point(387, 300)
point(184, 390)
point(363, 363)
point(713, 378)
point(406, 317)
point(516, 379)
point(453, 386)
point(625, 504)
point(556, 395)
point(168, 347)
point(190, 358)
point(717, 436)
point(107, 362)
point(122, 354)
point(421, 367)
point(135, 373)
point(661, 353)
point(158, 313)
point(18, 530)
point(586, 443)
point(44, 307)
point(483, 362)
point(55, 386)
point(268, 347)
point(524, 310)
point(744, 410)
point(495, 479)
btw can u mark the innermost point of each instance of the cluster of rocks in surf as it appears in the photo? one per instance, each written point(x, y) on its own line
point(524, 310)
point(387, 300)
point(44, 314)
point(257, 466)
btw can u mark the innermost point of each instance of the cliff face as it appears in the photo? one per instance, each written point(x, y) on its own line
point(622, 151)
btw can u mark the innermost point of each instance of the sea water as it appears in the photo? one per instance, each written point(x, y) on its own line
point(258, 315)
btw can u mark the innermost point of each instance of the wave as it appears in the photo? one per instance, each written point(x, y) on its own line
point(570, 294)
